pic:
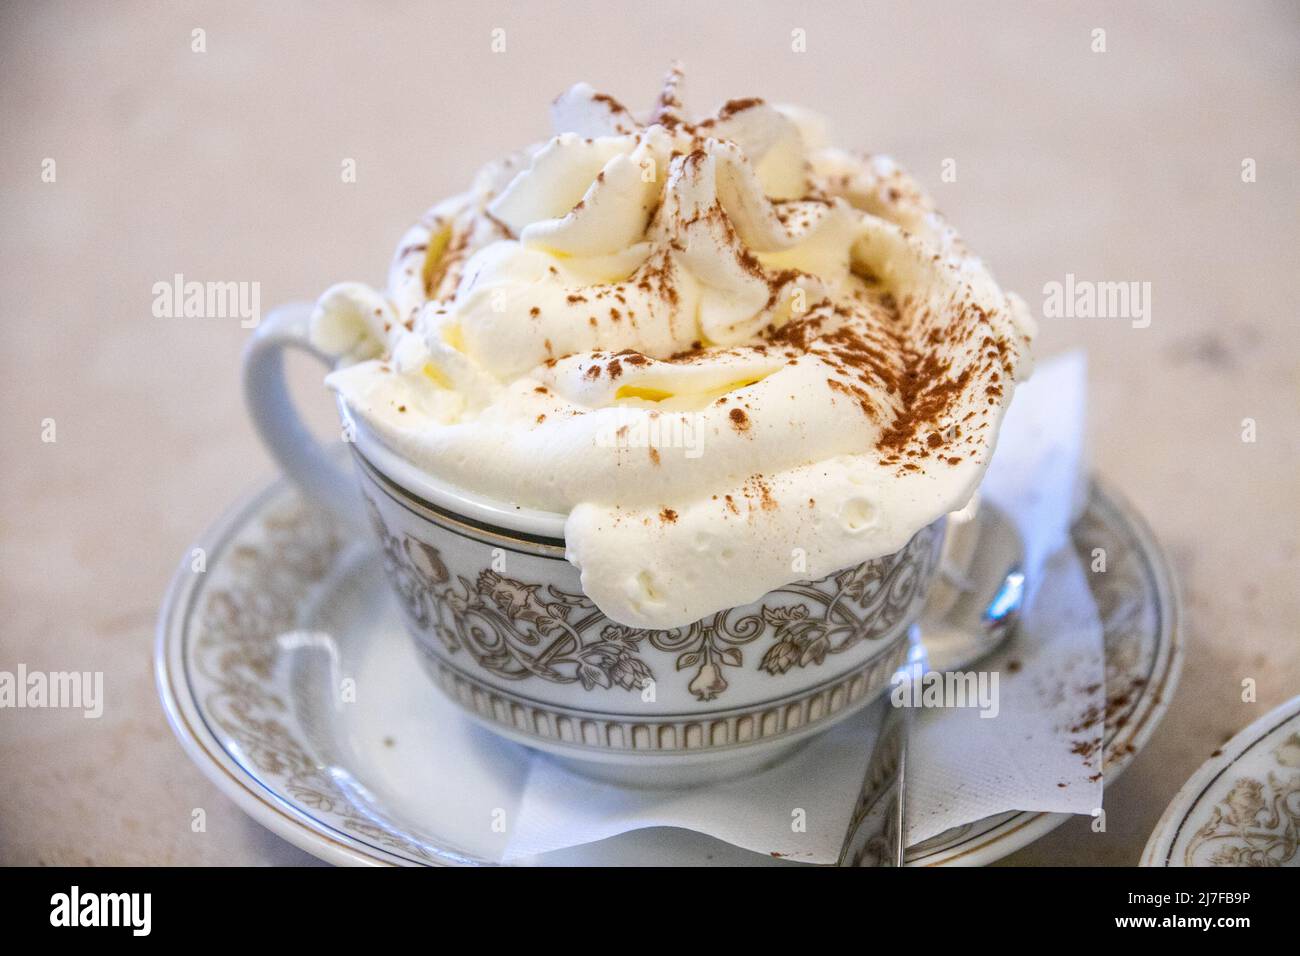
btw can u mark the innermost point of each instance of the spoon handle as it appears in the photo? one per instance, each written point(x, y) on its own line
point(876, 831)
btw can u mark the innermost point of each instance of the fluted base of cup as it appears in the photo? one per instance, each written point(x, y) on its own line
point(674, 774)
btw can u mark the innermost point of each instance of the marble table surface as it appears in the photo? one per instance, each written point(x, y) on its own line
point(225, 164)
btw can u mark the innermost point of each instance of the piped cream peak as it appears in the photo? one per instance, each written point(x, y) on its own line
point(803, 313)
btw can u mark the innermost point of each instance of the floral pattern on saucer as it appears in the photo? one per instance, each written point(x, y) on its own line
point(1242, 808)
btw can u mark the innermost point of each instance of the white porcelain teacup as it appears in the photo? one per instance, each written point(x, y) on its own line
point(504, 629)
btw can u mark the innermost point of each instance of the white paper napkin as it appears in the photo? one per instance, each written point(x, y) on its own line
point(792, 810)
point(1039, 753)
point(1042, 751)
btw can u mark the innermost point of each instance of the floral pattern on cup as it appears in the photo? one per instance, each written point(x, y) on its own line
point(521, 630)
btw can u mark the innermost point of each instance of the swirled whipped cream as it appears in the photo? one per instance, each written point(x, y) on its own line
point(733, 356)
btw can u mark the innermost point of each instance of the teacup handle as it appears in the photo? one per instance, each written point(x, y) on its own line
point(304, 459)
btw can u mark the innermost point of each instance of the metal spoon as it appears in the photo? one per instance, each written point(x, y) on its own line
point(977, 600)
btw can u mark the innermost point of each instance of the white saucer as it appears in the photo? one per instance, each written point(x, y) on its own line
point(1242, 808)
point(285, 608)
